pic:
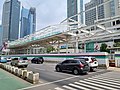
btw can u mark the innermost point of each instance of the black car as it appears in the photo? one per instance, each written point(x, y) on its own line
point(37, 60)
point(76, 66)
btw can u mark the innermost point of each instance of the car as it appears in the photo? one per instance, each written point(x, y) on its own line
point(37, 60)
point(92, 61)
point(76, 66)
point(3, 60)
point(22, 61)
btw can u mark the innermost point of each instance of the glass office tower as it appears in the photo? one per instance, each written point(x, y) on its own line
point(74, 7)
point(28, 21)
point(10, 20)
point(0, 36)
point(24, 22)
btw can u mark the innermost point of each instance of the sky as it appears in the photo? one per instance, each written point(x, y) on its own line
point(48, 12)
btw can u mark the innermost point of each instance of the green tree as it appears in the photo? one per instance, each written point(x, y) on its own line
point(103, 47)
point(117, 44)
point(50, 49)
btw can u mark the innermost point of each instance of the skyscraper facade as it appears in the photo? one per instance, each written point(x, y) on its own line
point(92, 13)
point(32, 20)
point(28, 21)
point(0, 36)
point(97, 9)
point(74, 7)
point(24, 22)
point(10, 20)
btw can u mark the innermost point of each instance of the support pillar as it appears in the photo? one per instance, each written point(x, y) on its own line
point(77, 50)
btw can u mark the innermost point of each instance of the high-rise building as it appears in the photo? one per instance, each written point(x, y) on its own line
point(10, 20)
point(0, 36)
point(28, 21)
point(24, 22)
point(97, 9)
point(32, 20)
point(92, 13)
point(74, 7)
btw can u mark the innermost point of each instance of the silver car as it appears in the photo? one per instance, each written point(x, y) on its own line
point(20, 62)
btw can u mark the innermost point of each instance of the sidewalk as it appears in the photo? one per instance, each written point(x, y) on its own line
point(11, 82)
point(114, 68)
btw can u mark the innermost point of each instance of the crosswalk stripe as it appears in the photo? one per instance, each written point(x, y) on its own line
point(57, 88)
point(107, 81)
point(79, 87)
point(106, 87)
point(118, 79)
point(70, 88)
point(87, 86)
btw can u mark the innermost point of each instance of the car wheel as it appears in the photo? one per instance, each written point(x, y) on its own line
point(58, 69)
point(75, 71)
point(91, 69)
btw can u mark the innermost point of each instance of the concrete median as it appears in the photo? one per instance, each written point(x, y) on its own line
point(22, 73)
point(26, 73)
point(33, 78)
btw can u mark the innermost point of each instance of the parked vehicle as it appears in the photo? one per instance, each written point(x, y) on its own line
point(76, 66)
point(37, 60)
point(20, 62)
point(3, 60)
point(8, 59)
point(93, 63)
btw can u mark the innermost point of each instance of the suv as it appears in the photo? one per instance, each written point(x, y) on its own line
point(37, 60)
point(20, 62)
point(93, 63)
point(76, 66)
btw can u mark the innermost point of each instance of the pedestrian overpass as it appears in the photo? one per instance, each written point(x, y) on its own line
point(70, 32)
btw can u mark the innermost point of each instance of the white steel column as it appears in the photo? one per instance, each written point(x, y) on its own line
point(77, 50)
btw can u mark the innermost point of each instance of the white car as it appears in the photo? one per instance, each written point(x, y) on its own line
point(20, 62)
point(93, 63)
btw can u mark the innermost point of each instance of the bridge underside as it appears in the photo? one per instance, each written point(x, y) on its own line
point(56, 39)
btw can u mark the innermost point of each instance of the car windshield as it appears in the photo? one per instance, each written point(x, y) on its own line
point(83, 61)
point(94, 59)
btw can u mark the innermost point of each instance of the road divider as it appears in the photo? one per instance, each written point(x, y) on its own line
point(22, 73)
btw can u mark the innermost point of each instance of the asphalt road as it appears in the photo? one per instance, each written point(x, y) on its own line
point(50, 79)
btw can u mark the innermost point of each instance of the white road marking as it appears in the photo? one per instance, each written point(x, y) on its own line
point(115, 78)
point(70, 88)
point(105, 82)
point(89, 86)
point(107, 79)
point(49, 83)
point(80, 87)
point(57, 88)
point(98, 84)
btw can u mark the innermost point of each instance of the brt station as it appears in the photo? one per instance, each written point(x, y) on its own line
point(71, 39)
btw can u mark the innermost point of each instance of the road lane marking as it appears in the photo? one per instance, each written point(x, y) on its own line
point(68, 87)
point(105, 82)
point(108, 79)
point(89, 86)
point(49, 83)
point(57, 88)
point(98, 84)
point(74, 85)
